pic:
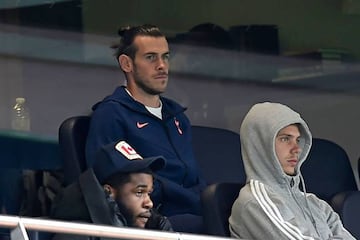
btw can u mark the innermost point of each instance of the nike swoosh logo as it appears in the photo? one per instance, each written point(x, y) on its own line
point(141, 125)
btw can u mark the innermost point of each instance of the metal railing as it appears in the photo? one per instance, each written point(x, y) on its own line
point(21, 224)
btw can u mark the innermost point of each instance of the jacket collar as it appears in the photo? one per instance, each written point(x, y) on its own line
point(170, 108)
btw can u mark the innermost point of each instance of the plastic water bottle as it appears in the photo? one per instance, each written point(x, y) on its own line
point(20, 119)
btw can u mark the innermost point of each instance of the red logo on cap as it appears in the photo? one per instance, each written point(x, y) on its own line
point(125, 149)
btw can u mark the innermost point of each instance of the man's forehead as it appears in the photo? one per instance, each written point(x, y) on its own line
point(148, 44)
point(141, 177)
point(292, 129)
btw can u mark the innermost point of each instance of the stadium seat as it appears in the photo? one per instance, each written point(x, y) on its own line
point(217, 200)
point(72, 140)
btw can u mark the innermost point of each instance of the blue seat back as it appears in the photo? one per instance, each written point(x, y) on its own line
point(72, 141)
point(328, 171)
point(217, 200)
point(218, 152)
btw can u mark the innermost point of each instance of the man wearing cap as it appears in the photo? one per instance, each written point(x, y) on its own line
point(115, 191)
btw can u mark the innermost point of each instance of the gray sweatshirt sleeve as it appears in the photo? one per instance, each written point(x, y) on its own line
point(249, 221)
point(333, 220)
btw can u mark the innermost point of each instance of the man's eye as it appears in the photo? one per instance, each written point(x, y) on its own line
point(166, 57)
point(284, 139)
point(139, 193)
point(151, 57)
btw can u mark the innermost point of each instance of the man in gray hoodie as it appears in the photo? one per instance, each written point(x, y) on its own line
point(275, 141)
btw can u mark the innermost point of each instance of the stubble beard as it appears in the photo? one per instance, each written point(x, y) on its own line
point(126, 213)
point(147, 89)
point(141, 83)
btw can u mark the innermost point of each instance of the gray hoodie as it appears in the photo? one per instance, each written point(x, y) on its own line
point(271, 205)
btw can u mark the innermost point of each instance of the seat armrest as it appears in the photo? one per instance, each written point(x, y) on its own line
point(347, 205)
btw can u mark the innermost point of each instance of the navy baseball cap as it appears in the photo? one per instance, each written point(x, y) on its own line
point(120, 157)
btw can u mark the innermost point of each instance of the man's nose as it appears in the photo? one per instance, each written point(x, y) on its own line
point(296, 148)
point(162, 63)
point(148, 202)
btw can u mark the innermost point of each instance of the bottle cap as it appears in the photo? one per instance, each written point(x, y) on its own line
point(20, 100)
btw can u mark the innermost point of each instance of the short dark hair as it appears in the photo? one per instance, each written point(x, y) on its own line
point(118, 179)
point(127, 36)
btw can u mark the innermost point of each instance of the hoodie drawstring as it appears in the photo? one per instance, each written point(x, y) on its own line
point(307, 203)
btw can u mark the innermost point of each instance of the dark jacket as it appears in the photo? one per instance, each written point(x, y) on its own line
point(85, 201)
point(120, 117)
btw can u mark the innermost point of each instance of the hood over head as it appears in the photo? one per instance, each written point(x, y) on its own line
point(258, 133)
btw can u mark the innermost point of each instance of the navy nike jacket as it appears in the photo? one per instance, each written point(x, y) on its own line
point(120, 117)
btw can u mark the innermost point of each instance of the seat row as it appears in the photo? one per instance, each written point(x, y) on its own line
point(327, 172)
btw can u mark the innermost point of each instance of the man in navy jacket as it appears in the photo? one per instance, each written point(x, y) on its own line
point(152, 124)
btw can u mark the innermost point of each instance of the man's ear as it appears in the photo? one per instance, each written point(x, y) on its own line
point(126, 63)
point(109, 191)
